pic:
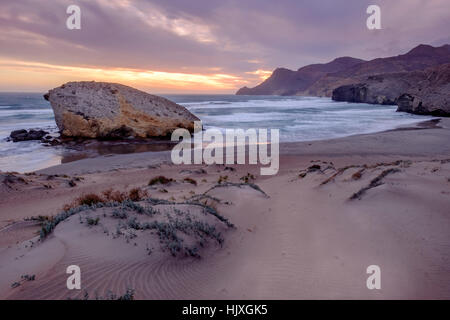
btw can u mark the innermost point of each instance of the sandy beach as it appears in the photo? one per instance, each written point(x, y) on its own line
point(309, 232)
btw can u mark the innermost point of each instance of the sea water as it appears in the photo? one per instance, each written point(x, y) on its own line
point(297, 118)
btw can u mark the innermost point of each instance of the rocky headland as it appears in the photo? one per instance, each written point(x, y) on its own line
point(421, 92)
point(418, 81)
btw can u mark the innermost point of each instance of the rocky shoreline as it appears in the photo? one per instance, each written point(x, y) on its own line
point(417, 81)
point(420, 92)
point(100, 111)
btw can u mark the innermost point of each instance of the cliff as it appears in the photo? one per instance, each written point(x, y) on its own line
point(420, 92)
point(322, 79)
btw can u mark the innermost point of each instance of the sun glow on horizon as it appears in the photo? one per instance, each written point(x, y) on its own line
point(15, 73)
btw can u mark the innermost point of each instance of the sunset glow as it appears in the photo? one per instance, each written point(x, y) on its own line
point(196, 46)
point(19, 73)
point(262, 74)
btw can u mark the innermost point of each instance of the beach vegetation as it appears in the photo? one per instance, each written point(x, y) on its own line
point(247, 178)
point(160, 180)
point(190, 180)
point(137, 194)
point(89, 199)
point(377, 181)
point(222, 179)
point(92, 221)
point(357, 175)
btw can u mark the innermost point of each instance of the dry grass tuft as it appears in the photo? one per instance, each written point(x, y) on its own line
point(160, 180)
point(137, 194)
point(190, 180)
point(89, 199)
point(109, 195)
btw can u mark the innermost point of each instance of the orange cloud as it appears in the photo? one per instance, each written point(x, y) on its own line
point(263, 74)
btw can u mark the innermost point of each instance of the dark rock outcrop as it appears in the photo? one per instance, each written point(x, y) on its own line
point(351, 93)
point(419, 92)
point(378, 89)
point(24, 135)
point(429, 96)
point(112, 111)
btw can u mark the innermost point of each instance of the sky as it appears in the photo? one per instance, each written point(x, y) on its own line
point(200, 46)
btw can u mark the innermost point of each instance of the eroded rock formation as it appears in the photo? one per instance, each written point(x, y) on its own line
point(110, 110)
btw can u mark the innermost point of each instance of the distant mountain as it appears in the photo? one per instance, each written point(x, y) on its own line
point(287, 82)
point(322, 79)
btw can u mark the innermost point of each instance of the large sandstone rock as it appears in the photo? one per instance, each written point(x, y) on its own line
point(111, 110)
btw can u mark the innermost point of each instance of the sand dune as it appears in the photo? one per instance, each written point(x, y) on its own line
point(310, 238)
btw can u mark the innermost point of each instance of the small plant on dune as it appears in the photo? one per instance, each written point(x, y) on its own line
point(92, 222)
point(23, 278)
point(89, 199)
point(190, 180)
point(160, 180)
point(118, 232)
point(129, 295)
point(357, 175)
point(377, 181)
point(27, 277)
point(137, 194)
point(133, 223)
point(222, 179)
point(314, 167)
point(69, 206)
point(114, 195)
point(130, 235)
point(48, 226)
point(40, 219)
point(247, 178)
point(109, 195)
point(119, 213)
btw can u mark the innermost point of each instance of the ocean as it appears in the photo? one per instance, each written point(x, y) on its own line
point(297, 118)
